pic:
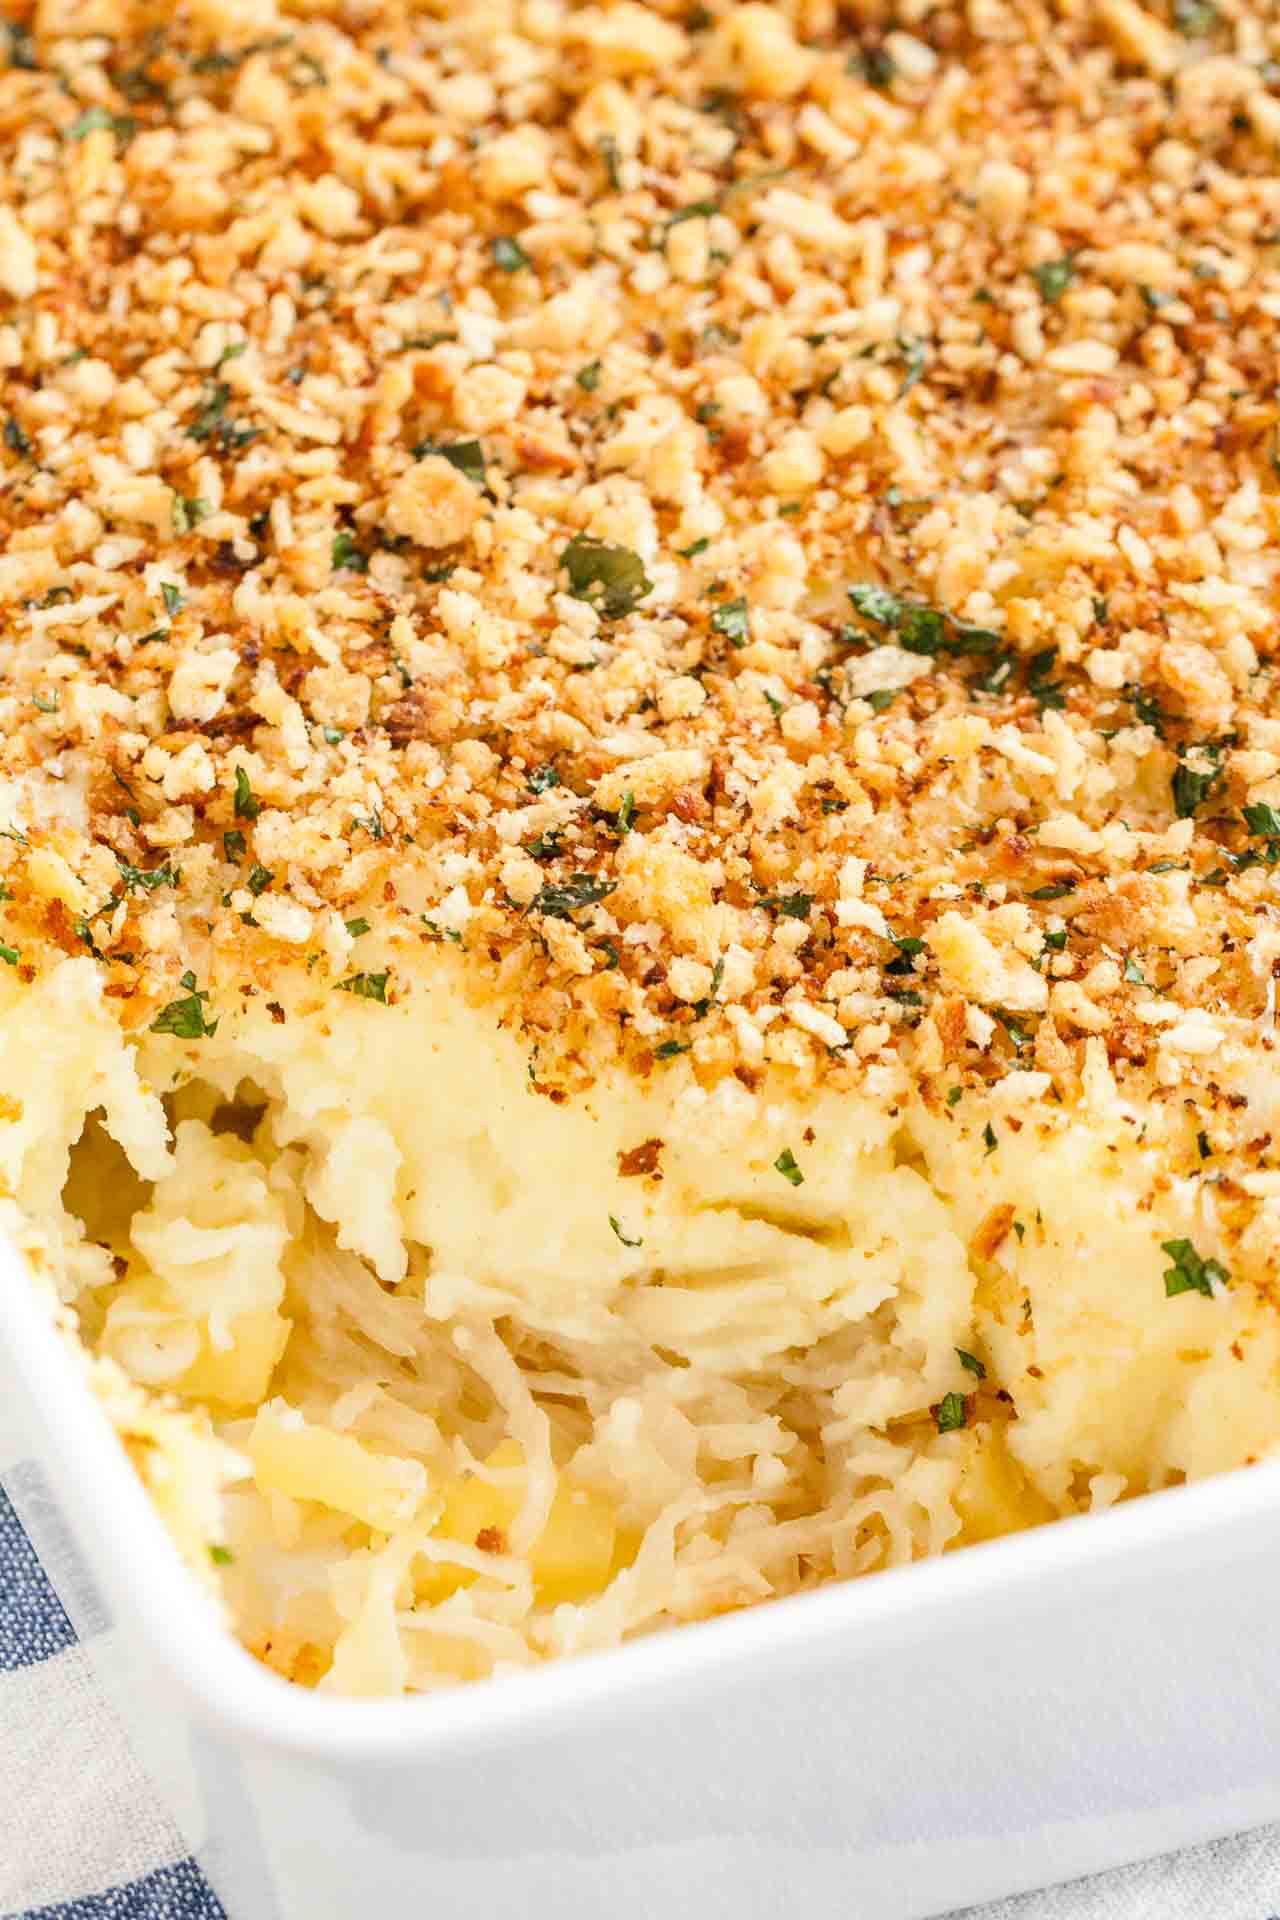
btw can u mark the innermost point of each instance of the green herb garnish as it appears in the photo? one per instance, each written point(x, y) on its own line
point(247, 806)
point(732, 619)
point(920, 628)
point(366, 986)
point(1194, 18)
point(185, 1018)
point(346, 554)
point(952, 1413)
point(1191, 785)
point(508, 254)
point(792, 906)
point(611, 578)
point(1054, 277)
point(466, 455)
point(1189, 1273)
point(187, 512)
point(97, 118)
point(563, 901)
point(786, 1165)
point(147, 878)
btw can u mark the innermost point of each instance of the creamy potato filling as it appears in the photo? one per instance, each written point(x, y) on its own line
point(466, 1377)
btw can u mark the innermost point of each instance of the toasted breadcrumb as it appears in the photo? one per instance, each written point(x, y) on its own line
point(714, 513)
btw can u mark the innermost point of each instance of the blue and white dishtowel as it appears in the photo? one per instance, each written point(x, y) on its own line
point(83, 1835)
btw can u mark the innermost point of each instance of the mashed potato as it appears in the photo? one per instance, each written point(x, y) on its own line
point(639, 789)
point(493, 1378)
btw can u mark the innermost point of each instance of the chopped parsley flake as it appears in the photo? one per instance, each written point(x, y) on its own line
point(792, 906)
point(611, 578)
point(466, 455)
point(247, 807)
point(260, 879)
point(212, 425)
point(626, 812)
point(1147, 710)
point(914, 356)
point(613, 1222)
point(508, 254)
point(347, 554)
point(989, 1137)
point(1194, 18)
point(952, 1413)
point(732, 620)
point(187, 512)
point(1263, 819)
point(561, 902)
point(356, 927)
point(16, 440)
point(920, 628)
point(1189, 1273)
point(786, 1165)
point(876, 66)
point(98, 118)
point(1192, 784)
point(9, 955)
point(172, 597)
point(670, 1048)
point(147, 878)
point(1054, 277)
point(588, 377)
point(185, 1018)
point(220, 1556)
point(971, 1363)
point(367, 986)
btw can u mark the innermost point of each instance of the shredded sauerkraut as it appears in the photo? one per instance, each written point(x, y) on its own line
point(540, 1431)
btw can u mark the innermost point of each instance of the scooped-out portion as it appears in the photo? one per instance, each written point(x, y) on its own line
point(434, 1376)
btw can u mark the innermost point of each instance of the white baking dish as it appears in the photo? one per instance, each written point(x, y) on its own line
point(1015, 1714)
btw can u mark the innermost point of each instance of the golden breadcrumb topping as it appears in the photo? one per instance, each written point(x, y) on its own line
point(756, 523)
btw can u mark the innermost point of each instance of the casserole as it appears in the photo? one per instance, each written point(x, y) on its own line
point(672, 1001)
point(1024, 1712)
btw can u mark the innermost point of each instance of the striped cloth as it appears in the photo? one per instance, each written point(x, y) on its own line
point(84, 1835)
